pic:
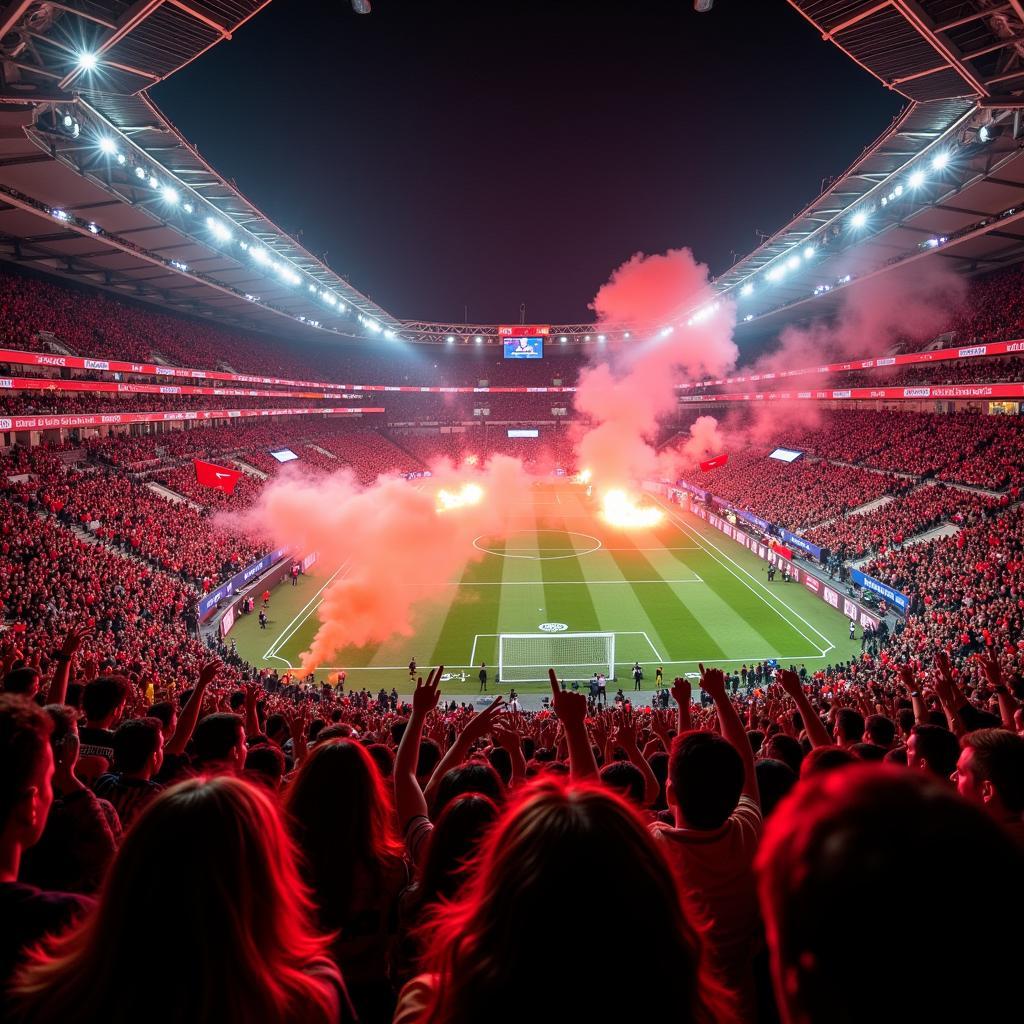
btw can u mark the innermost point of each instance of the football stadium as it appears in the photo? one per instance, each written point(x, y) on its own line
point(475, 477)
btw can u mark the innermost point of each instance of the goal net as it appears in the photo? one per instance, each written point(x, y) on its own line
point(526, 657)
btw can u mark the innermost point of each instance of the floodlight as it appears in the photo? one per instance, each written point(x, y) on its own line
point(916, 179)
point(859, 219)
point(940, 160)
point(170, 195)
point(984, 134)
point(451, 339)
point(808, 252)
point(563, 339)
point(140, 173)
point(747, 289)
point(87, 61)
point(108, 146)
point(478, 340)
point(793, 262)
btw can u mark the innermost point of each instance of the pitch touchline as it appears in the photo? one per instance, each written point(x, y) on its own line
point(284, 636)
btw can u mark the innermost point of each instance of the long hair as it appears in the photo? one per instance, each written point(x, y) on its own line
point(543, 902)
point(342, 817)
point(203, 916)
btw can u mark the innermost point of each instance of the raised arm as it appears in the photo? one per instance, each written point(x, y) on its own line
point(479, 725)
point(1007, 702)
point(816, 731)
point(625, 736)
point(571, 709)
point(58, 691)
point(713, 682)
point(681, 695)
point(189, 714)
point(409, 800)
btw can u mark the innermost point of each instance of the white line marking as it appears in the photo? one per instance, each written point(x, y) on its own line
point(653, 648)
point(709, 546)
point(707, 659)
point(285, 635)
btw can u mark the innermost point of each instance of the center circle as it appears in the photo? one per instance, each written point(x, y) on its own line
point(571, 552)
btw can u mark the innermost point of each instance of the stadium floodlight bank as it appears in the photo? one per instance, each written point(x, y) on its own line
point(526, 657)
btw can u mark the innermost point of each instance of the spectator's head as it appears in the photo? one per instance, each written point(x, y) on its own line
point(534, 867)
point(453, 843)
point(932, 748)
point(774, 781)
point(781, 747)
point(825, 759)
point(868, 752)
point(837, 842)
point(103, 699)
point(473, 777)
point(990, 771)
point(138, 747)
point(341, 813)
point(252, 924)
point(705, 779)
point(219, 743)
point(626, 779)
point(165, 712)
point(26, 771)
point(277, 729)
point(880, 730)
point(265, 764)
point(849, 726)
point(383, 758)
point(23, 682)
point(429, 759)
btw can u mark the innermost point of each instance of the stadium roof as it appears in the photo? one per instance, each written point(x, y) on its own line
point(96, 184)
point(930, 49)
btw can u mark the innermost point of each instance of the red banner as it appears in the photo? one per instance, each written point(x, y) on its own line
point(718, 460)
point(523, 331)
point(209, 474)
point(119, 418)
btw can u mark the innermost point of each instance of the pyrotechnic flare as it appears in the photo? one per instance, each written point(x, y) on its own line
point(468, 494)
point(619, 509)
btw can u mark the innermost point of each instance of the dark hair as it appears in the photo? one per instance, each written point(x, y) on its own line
point(838, 841)
point(267, 762)
point(501, 761)
point(163, 711)
point(868, 751)
point(62, 718)
point(104, 695)
point(135, 742)
point(342, 817)
point(850, 723)
point(774, 781)
point(429, 759)
point(383, 757)
point(338, 731)
point(707, 778)
point(22, 681)
point(472, 777)
point(756, 739)
point(880, 730)
point(999, 755)
point(626, 779)
point(939, 748)
point(659, 766)
point(825, 759)
point(781, 747)
point(216, 736)
point(24, 734)
point(453, 843)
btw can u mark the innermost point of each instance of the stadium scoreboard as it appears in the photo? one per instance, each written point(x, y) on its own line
point(523, 341)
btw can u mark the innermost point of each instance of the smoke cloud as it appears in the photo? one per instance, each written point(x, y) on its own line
point(395, 550)
point(627, 396)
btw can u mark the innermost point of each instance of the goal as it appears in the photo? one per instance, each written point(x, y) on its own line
point(526, 657)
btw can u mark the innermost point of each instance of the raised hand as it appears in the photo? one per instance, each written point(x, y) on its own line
point(208, 673)
point(713, 682)
point(480, 724)
point(625, 728)
point(790, 682)
point(992, 669)
point(74, 640)
point(570, 707)
point(681, 691)
point(427, 694)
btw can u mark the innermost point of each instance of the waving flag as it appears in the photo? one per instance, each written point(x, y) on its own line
point(209, 474)
point(718, 460)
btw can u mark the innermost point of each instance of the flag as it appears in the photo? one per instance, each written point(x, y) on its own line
point(718, 460)
point(209, 474)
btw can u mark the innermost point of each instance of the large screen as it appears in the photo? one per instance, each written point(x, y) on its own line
point(524, 348)
point(785, 455)
point(284, 455)
point(523, 433)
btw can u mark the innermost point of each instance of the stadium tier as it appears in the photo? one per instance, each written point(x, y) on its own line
point(367, 670)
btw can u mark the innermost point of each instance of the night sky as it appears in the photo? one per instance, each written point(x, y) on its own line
point(483, 153)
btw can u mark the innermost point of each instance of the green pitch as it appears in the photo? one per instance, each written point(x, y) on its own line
point(674, 595)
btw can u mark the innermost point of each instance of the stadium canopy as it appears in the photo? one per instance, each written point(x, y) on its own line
point(97, 185)
point(944, 183)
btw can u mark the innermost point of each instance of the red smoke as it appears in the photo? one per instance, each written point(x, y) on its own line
point(626, 398)
point(396, 549)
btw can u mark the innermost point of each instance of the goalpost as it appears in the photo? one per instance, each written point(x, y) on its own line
point(526, 657)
